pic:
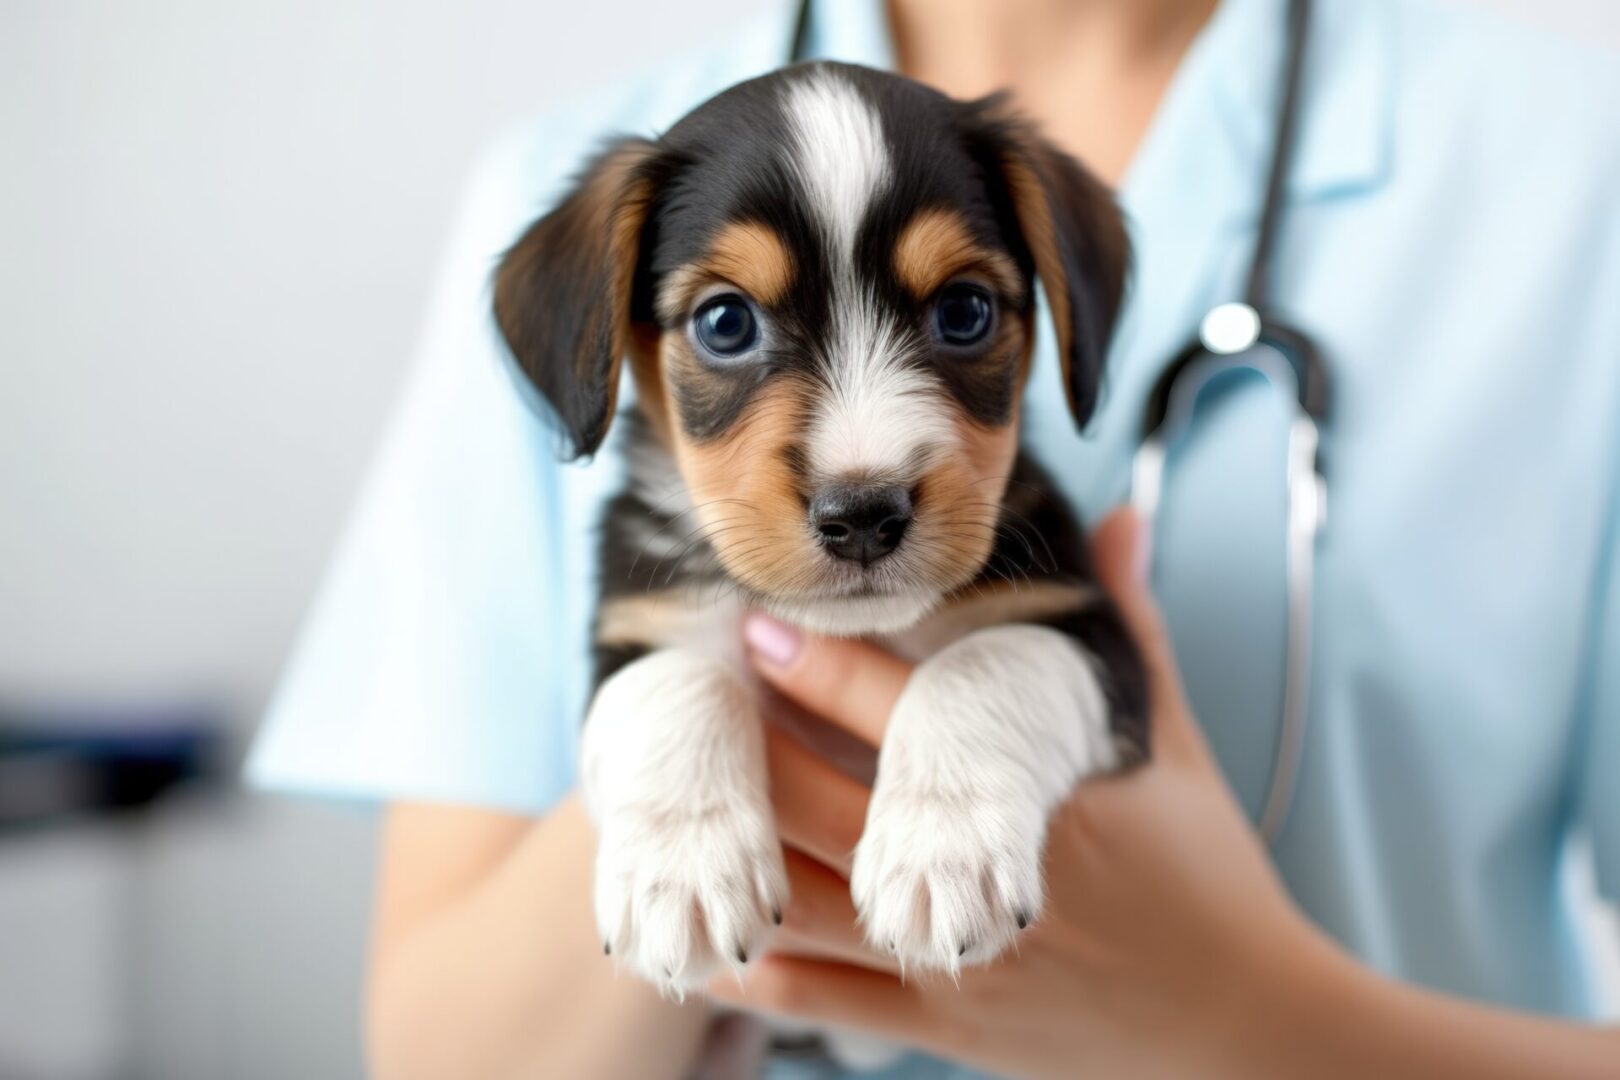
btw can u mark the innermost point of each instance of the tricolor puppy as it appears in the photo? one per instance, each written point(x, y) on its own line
point(824, 282)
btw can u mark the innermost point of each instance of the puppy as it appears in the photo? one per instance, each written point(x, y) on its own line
point(824, 281)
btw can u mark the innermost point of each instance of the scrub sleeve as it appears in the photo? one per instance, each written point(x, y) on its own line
point(1600, 763)
point(444, 658)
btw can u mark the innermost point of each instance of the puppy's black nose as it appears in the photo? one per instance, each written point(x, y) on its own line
point(860, 522)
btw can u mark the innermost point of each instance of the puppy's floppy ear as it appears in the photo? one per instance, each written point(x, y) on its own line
point(563, 292)
point(1071, 229)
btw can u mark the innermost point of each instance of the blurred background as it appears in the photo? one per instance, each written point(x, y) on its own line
point(219, 223)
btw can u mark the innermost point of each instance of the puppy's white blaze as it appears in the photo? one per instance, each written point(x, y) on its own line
point(880, 414)
point(839, 153)
point(879, 420)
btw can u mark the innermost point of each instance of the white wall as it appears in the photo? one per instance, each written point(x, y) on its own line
point(218, 223)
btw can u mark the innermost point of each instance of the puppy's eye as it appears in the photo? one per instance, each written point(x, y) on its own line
point(964, 314)
point(726, 326)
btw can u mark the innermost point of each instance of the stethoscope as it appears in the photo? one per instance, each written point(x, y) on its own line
point(1245, 335)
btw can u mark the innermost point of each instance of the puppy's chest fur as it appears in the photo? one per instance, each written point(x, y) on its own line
point(663, 586)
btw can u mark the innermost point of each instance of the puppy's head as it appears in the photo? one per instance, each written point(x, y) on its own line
point(824, 281)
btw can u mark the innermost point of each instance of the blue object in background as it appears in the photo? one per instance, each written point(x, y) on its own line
point(61, 764)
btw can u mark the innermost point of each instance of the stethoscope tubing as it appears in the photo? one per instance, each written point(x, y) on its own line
point(1245, 336)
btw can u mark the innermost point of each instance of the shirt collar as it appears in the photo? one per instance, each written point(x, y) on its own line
point(1345, 138)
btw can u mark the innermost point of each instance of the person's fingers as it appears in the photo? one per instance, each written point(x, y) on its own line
point(1121, 548)
point(819, 810)
point(820, 921)
point(834, 994)
point(849, 683)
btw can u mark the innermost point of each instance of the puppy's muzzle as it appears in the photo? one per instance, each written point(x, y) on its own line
point(860, 522)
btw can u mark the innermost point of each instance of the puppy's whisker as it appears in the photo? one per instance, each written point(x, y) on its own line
point(691, 541)
point(641, 549)
point(696, 547)
point(1052, 562)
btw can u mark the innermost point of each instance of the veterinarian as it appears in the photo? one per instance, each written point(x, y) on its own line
point(1450, 240)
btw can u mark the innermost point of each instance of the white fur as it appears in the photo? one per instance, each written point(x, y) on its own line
point(689, 868)
point(849, 616)
point(880, 416)
point(840, 154)
point(989, 736)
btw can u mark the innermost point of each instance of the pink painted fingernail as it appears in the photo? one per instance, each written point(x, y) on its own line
point(775, 641)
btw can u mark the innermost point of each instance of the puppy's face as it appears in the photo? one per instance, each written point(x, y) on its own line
point(824, 281)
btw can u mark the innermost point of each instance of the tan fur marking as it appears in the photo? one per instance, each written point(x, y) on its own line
point(746, 496)
point(754, 257)
point(937, 246)
point(1035, 221)
point(993, 605)
point(624, 217)
point(959, 503)
point(654, 620)
point(753, 514)
point(746, 254)
point(1035, 218)
point(652, 397)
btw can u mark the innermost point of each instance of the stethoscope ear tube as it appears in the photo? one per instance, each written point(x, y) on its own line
point(1307, 513)
point(1243, 335)
point(1306, 516)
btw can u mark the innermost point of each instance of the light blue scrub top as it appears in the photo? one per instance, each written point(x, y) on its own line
point(1453, 242)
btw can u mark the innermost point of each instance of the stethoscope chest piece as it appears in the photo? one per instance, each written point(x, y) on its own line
point(1230, 328)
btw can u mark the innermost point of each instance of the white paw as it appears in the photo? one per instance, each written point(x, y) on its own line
point(682, 891)
point(944, 878)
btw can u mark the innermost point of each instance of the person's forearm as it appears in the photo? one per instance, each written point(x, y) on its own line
point(510, 980)
point(1336, 1018)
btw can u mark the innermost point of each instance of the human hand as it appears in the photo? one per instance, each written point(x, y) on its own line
point(1165, 932)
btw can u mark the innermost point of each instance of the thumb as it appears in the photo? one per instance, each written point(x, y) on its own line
point(849, 682)
point(1122, 548)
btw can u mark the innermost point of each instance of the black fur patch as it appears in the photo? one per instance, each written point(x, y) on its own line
point(1039, 538)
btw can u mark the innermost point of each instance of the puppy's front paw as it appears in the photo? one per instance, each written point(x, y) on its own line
point(683, 890)
point(944, 878)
